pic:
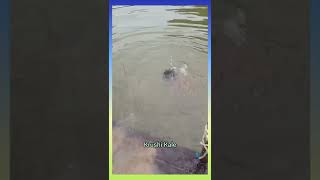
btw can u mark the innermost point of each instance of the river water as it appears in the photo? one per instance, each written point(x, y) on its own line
point(144, 39)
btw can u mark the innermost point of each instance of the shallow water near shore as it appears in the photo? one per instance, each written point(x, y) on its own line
point(144, 38)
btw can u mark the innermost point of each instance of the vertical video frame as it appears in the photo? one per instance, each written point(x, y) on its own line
point(159, 89)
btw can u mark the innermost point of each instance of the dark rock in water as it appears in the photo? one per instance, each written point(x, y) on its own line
point(169, 74)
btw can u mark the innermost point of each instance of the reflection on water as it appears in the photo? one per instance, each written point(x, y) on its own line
point(143, 40)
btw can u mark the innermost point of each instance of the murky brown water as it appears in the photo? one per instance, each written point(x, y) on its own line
point(143, 40)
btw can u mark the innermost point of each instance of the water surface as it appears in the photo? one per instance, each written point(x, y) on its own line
point(144, 38)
